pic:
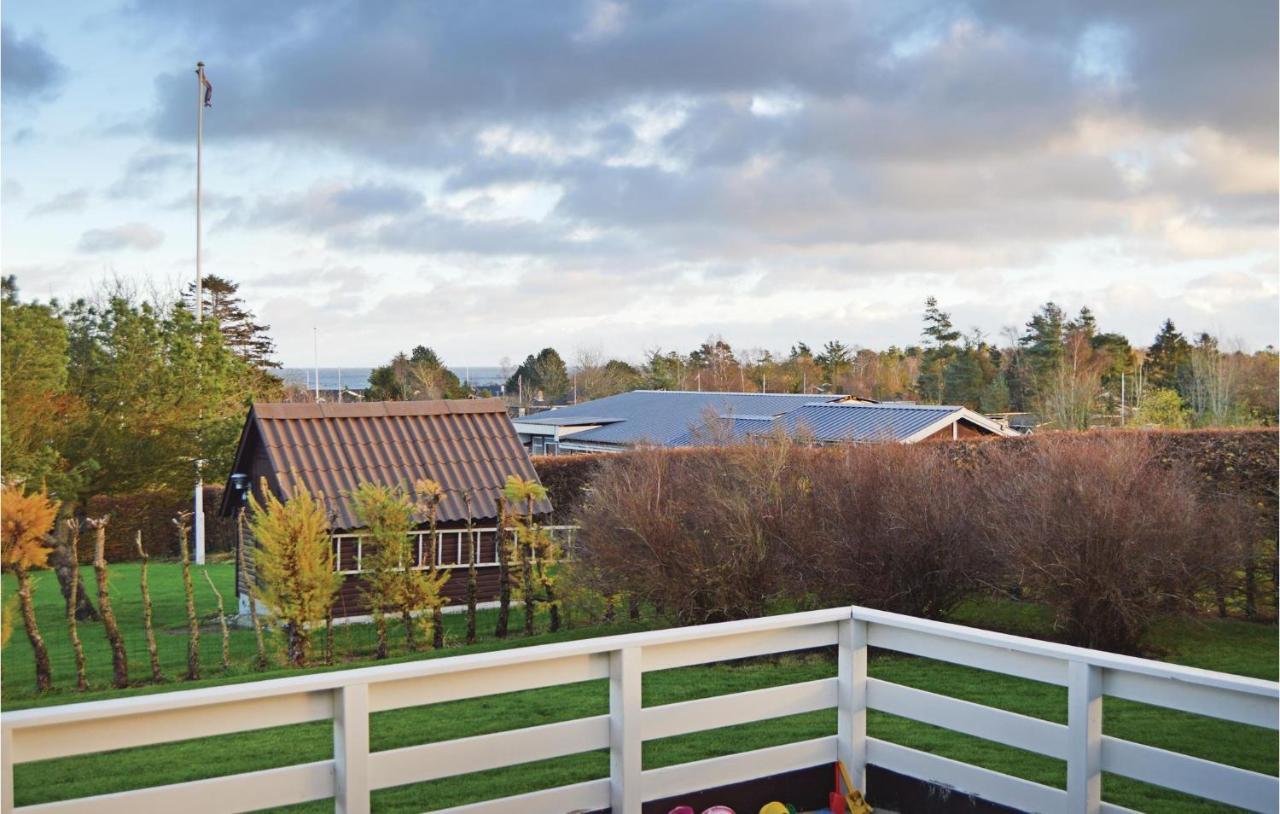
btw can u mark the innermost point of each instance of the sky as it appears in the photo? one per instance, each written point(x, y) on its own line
point(492, 178)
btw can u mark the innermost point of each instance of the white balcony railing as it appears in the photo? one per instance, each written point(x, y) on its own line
point(348, 697)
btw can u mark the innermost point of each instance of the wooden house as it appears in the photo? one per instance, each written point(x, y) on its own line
point(467, 446)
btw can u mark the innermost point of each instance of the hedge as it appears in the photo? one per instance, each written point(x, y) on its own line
point(152, 513)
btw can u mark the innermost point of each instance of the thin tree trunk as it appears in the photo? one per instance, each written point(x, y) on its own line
point(471, 572)
point(193, 621)
point(633, 607)
point(526, 571)
point(407, 602)
point(437, 610)
point(504, 571)
point(549, 595)
point(119, 658)
point(67, 568)
point(328, 635)
point(222, 622)
point(249, 589)
point(152, 653)
point(44, 675)
point(73, 544)
point(380, 626)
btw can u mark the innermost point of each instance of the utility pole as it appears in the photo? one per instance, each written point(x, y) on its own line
point(315, 350)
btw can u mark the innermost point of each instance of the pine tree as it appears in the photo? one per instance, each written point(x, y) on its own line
point(940, 338)
point(241, 332)
point(1168, 358)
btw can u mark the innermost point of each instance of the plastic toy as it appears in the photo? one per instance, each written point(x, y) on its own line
point(851, 801)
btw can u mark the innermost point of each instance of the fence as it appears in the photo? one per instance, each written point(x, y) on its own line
point(348, 697)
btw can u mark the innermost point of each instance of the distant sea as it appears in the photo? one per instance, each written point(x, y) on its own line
point(357, 378)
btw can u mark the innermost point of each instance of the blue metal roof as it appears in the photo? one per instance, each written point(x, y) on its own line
point(863, 422)
point(726, 431)
point(666, 417)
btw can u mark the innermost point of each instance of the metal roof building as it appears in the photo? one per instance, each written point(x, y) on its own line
point(681, 419)
point(899, 423)
point(659, 417)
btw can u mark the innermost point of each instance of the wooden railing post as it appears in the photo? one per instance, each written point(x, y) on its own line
point(625, 744)
point(851, 681)
point(351, 749)
point(1084, 738)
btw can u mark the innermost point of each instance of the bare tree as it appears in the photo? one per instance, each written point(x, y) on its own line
point(222, 622)
point(119, 658)
point(193, 621)
point(156, 674)
point(72, 542)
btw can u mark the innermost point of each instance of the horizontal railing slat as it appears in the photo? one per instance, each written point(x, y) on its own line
point(431, 761)
point(993, 786)
point(145, 728)
point(684, 778)
point(237, 792)
point(1201, 699)
point(738, 646)
point(737, 708)
point(589, 796)
point(1010, 728)
point(968, 653)
point(457, 685)
point(1191, 775)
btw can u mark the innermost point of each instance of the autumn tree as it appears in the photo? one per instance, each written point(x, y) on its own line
point(418, 375)
point(526, 493)
point(25, 519)
point(294, 563)
point(428, 495)
point(387, 515)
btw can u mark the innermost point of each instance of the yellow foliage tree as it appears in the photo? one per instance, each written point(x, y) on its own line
point(428, 496)
point(526, 492)
point(25, 519)
point(293, 559)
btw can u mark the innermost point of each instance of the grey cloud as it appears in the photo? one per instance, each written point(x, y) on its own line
point(71, 201)
point(336, 204)
point(27, 69)
point(136, 236)
point(145, 171)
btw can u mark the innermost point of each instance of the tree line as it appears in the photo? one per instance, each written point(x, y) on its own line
point(1065, 369)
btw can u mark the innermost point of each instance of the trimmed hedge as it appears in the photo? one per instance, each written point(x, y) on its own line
point(152, 513)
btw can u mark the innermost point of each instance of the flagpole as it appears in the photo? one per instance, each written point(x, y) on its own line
point(198, 514)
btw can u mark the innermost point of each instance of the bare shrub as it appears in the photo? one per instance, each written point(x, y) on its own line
point(891, 527)
point(683, 531)
point(1107, 535)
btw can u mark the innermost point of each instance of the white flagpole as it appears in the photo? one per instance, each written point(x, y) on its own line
point(198, 514)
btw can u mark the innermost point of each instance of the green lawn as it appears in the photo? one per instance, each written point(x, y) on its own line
point(1226, 645)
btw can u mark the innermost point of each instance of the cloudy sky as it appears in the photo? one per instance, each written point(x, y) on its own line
point(492, 178)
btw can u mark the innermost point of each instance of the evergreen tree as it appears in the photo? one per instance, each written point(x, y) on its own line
point(544, 375)
point(1168, 358)
point(242, 334)
point(940, 338)
point(835, 360)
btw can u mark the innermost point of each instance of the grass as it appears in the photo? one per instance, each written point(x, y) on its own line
point(1231, 646)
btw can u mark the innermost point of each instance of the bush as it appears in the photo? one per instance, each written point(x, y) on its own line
point(683, 530)
point(725, 533)
point(1108, 534)
point(567, 479)
point(890, 527)
point(152, 513)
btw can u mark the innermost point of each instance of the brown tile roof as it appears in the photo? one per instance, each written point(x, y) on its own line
point(463, 444)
